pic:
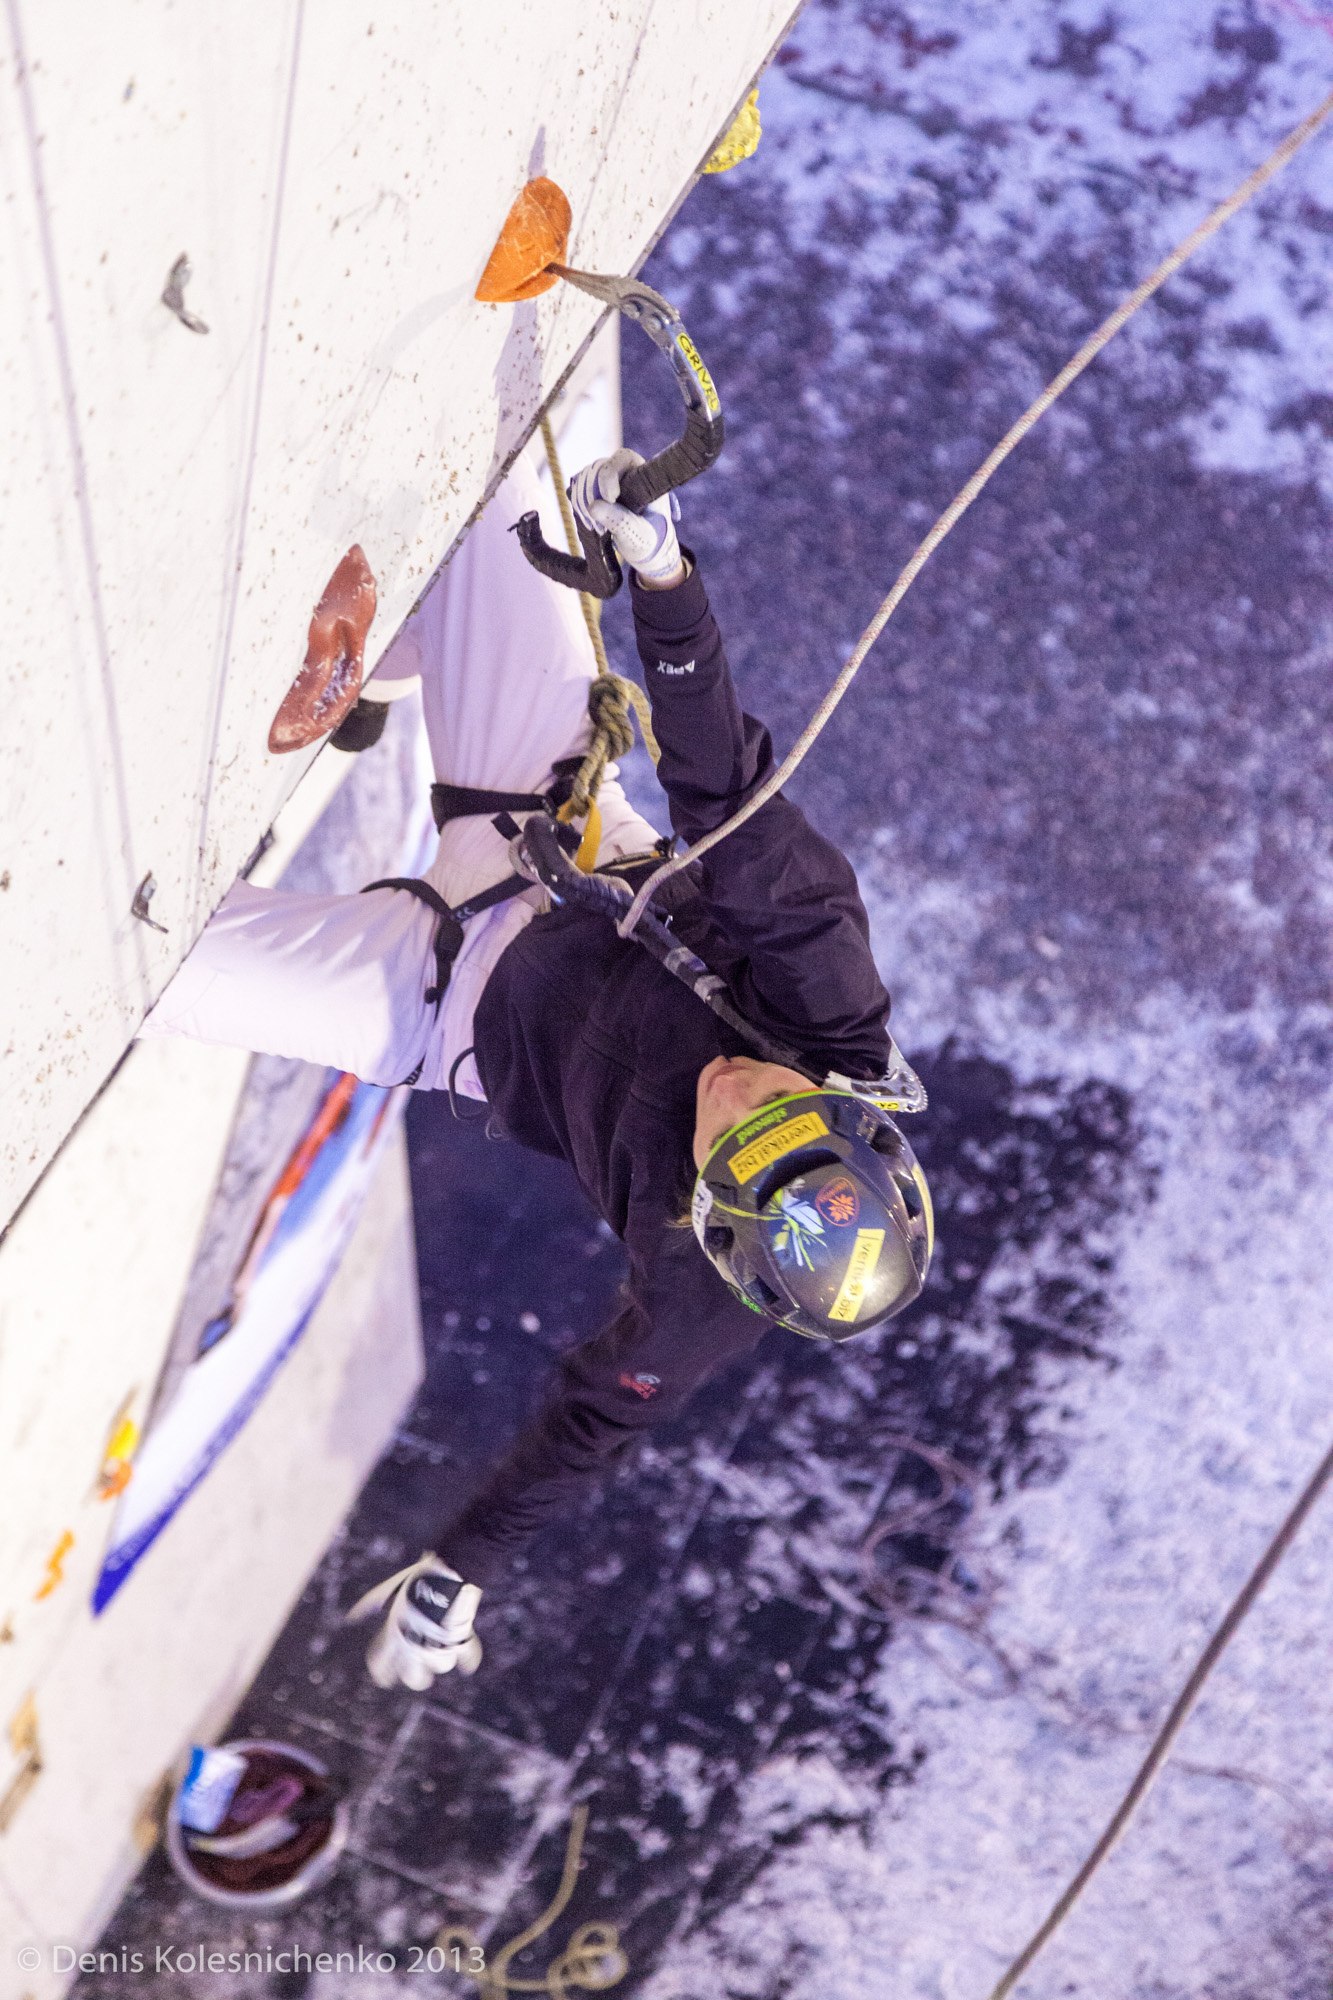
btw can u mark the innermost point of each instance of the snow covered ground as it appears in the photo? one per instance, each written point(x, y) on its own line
point(1086, 781)
point(1100, 738)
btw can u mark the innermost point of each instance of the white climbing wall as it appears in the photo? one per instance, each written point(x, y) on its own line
point(124, 1252)
point(172, 502)
point(171, 505)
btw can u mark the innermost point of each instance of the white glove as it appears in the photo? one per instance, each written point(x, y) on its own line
point(428, 1627)
point(644, 542)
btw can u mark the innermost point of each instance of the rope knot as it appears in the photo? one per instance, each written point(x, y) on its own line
point(611, 706)
point(613, 701)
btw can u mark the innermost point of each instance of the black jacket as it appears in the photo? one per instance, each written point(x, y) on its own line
point(589, 1050)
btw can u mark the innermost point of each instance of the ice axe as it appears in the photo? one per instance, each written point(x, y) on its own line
point(527, 260)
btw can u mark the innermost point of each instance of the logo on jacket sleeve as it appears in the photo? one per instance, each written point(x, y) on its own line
point(643, 1385)
point(669, 667)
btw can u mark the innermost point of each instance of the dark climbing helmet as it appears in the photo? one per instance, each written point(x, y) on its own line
point(816, 1213)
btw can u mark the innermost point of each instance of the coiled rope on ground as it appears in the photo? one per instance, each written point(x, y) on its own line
point(592, 1960)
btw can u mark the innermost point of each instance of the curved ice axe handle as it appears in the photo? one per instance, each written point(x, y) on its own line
point(691, 453)
point(596, 571)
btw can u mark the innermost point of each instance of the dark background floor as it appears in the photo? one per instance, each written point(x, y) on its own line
point(631, 1667)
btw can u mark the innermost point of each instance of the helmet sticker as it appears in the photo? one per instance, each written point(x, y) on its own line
point(701, 1207)
point(783, 1207)
point(838, 1202)
point(860, 1270)
point(800, 1239)
point(770, 1146)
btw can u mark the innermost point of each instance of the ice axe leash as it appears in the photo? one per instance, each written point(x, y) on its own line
point(597, 571)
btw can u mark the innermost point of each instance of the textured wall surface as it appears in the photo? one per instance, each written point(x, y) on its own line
point(174, 501)
point(126, 1250)
point(120, 1698)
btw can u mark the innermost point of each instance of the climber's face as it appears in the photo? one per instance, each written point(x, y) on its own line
point(729, 1088)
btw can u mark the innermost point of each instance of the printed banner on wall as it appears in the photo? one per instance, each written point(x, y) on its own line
point(293, 1252)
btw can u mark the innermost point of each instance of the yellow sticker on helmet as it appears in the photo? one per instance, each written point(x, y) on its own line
point(860, 1270)
point(770, 1146)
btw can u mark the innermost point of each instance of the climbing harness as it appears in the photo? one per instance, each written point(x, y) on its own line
point(449, 802)
point(466, 802)
point(959, 505)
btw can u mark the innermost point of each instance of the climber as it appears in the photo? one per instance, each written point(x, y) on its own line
point(806, 1200)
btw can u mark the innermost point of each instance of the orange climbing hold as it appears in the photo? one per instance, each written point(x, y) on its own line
point(55, 1567)
point(326, 689)
point(535, 236)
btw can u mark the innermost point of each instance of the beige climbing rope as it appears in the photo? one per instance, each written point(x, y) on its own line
point(959, 505)
point(1173, 1725)
point(613, 701)
point(592, 1960)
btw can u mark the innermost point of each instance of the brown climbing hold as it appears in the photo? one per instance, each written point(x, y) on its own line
point(327, 687)
point(535, 236)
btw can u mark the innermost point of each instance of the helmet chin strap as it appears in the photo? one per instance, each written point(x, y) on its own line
point(537, 854)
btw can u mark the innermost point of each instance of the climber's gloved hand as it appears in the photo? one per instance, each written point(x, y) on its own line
point(427, 1628)
point(646, 542)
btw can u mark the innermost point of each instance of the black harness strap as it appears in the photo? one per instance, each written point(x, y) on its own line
point(471, 802)
point(463, 802)
point(414, 887)
point(448, 929)
point(467, 802)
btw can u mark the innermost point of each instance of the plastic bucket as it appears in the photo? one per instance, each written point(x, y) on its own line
point(287, 1874)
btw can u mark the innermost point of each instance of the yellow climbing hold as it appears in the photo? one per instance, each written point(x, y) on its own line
point(740, 141)
point(117, 1460)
